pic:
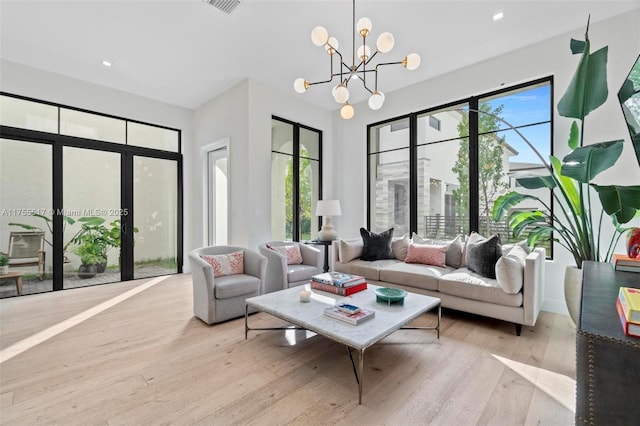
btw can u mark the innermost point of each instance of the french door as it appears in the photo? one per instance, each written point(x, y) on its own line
point(87, 196)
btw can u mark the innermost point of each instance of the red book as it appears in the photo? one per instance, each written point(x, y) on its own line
point(341, 291)
point(629, 328)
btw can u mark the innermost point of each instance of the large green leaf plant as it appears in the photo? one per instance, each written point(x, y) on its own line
point(572, 224)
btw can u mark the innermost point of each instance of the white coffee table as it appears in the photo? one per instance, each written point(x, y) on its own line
point(286, 305)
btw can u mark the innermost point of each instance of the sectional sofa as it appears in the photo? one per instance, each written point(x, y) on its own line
point(514, 295)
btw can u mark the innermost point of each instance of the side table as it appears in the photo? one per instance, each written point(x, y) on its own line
point(16, 276)
point(326, 245)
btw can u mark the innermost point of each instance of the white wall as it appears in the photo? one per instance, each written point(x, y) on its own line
point(550, 57)
point(243, 114)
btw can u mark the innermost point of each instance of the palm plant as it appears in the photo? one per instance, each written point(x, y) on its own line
point(573, 225)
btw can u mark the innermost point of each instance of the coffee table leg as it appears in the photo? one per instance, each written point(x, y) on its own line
point(246, 319)
point(360, 370)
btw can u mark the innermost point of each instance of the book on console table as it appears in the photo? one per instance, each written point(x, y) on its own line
point(625, 263)
point(338, 279)
point(340, 291)
point(629, 328)
point(354, 319)
point(629, 299)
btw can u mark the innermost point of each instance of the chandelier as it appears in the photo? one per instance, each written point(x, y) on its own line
point(360, 67)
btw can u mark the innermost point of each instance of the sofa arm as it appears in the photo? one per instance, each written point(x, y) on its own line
point(203, 283)
point(276, 272)
point(255, 265)
point(311, 256)
point(533, 288)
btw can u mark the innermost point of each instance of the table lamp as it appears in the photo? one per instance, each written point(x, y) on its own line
point(326, 209)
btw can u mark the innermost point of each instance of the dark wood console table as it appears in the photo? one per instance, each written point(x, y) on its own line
point(607, 361)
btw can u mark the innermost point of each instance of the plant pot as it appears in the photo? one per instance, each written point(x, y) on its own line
point(87, 271)
point(4, 269)
point(102, 266)
point(573, 291)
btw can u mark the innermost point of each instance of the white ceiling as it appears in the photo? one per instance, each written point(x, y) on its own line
point(186, 52)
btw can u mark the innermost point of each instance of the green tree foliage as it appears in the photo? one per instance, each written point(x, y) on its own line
point(491, 169)
point(304, 197)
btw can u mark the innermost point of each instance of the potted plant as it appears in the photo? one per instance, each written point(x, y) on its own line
point(90, 249)
point(4, 264)
point(576, 222)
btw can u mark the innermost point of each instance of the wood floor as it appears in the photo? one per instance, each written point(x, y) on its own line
point(147, 361)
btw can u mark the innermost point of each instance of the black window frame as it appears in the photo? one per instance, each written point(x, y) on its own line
point(296, 167)
point(472, 103)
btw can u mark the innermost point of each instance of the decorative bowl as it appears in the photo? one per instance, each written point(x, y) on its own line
point(390, 295)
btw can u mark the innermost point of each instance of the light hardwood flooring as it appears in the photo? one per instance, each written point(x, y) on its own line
point(147, 361)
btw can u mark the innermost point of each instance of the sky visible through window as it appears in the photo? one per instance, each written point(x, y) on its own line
point(522, 108)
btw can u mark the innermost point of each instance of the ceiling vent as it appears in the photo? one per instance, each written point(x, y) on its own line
point(227, 6)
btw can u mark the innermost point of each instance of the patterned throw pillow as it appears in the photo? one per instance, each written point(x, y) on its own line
point(292, 253)
point(483, 255)
point(454, 252)
point(376, 246)
point(427, 255)
point(226, 264)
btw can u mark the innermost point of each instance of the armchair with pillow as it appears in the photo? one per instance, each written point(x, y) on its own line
point(289, 264)
point(223, 277)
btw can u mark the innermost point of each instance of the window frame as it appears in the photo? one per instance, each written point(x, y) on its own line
point(472, 103)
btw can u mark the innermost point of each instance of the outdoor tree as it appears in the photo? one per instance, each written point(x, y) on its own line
point(491, 182)
point(304, 198)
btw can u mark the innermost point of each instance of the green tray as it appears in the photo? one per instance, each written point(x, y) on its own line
point(390, 295)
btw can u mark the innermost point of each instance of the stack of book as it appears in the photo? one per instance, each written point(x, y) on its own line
point(338, 283)
point(349, 313)
point(625, 263)
point(628, 305)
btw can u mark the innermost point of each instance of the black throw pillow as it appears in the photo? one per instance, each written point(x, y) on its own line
point(376, 246)
point(483, 255)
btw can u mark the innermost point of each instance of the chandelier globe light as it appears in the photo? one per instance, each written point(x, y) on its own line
point(361, 67)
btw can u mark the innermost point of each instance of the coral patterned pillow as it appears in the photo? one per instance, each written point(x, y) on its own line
point(226, 264)
point(292, 253)
point(427, 255)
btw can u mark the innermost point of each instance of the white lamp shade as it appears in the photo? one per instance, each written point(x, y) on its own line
point(300, 85)
point(385, 42)
point(347, 111)
point(332, 44)
point(341, 94)
point(328, 208)
point(364, 52)
point(319, 36)
point(364, 24)
point(412, 61)
point(376, 100)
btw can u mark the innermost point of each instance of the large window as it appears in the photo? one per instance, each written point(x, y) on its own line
point(439, 172)
point(295, 180)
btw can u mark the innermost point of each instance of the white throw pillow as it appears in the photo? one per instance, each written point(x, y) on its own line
point(400, 246)
point(350, 250)
point(510, 270)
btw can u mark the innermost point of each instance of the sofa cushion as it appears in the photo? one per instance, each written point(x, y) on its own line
point(427, 254)
point(291, 252)
point(510, 270)
point(376, 246)
point(236, 285)
point(400, 246)
point(414, 275)
point(350, 250)
point(300, 272)
point(226, 264)
point(470, 285)
point(454, 252)
point(482, 255)
point(367, 269)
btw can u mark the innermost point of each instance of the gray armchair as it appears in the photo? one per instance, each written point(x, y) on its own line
point(280, 275)
point(217, 299)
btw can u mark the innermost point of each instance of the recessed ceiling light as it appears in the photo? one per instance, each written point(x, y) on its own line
point(498, 16)
point(106, 63)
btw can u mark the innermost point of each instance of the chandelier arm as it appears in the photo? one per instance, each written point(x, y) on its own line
point(372, 56)
point(383, 64)
point(353, 44)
